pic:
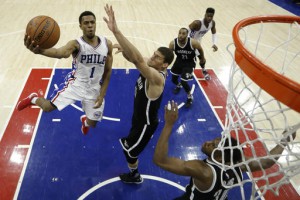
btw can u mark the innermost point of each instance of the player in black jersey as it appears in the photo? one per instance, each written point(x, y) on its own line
point(184, 48)
point(207, 178)
point(148, 94)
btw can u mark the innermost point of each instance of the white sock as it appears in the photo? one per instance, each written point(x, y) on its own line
point(33, 100)
point(86, 124)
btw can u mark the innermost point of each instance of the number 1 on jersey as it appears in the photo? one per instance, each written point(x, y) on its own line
point(92, 73)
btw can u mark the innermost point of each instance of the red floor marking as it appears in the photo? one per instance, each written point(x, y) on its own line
point(19, 132)
point(217, 95)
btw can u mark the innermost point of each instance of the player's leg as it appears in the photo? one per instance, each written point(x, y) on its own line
point(205, 73)
point(33, 99)
point(92, 115)
point(186, 76)
point(176, 70)
point(133, 145)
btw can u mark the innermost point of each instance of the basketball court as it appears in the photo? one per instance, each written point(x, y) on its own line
point(45, 155)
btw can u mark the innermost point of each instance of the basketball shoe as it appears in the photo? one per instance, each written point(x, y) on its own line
point(205, 74)
point(84, 128)
point(131, 177)
point(24, 103)
point(189, 101)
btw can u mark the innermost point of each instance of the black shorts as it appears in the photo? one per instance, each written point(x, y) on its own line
point(185, 70)
point(138, 138)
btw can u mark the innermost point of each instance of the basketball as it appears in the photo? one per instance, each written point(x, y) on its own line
point(44, 31)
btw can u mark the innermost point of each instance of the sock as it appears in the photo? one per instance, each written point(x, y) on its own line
point(33, 100)
point(86, 124)
point(133, 170)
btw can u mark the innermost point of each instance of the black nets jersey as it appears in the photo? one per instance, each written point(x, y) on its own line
point(185, 54)
point(217, 191)
point(145, 109)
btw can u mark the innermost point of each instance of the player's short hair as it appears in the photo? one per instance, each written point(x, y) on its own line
point(183, 28)
point(167, 53)
point(86, 13)
point(233, 153)
point(210, 10)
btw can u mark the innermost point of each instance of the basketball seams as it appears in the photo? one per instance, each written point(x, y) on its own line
point(53, 28)
point(44, 30)
point(36, 30)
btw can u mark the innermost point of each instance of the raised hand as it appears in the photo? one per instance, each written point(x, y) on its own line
point(171, 112)
point(111, 21)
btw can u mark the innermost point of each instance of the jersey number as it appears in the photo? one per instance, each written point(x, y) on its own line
point(92, 73)
point(184, 57)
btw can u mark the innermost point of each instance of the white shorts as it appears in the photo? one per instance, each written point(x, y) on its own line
point(84, 93)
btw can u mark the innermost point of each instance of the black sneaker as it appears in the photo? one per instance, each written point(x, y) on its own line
point(131, 178)
point(205, 74)
point(177, 88)
point(189, 101)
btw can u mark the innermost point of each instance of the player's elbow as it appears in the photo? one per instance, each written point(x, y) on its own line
point(158, 160)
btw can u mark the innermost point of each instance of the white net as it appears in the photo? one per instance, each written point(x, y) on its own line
point(256, 119)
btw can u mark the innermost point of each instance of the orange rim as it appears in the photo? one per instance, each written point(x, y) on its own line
point(280, 87)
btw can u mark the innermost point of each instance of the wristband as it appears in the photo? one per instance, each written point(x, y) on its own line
point(214, 39)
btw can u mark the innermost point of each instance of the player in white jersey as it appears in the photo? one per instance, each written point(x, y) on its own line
point(92, 66)
point(198, 28)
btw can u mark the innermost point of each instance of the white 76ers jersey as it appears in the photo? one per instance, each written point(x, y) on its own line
point(200, 33)
point(88, 64)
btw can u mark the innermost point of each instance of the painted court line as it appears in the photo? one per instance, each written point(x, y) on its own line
point(23, 146)
point(218, 107)
point(112, 180)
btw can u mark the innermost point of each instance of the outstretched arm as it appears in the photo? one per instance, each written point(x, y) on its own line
point(62, 52)
point(268, 162)
point(195, 168)
point(129, 50)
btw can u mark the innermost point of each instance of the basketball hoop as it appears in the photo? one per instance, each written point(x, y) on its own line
point(280, 87)
point(263, 103)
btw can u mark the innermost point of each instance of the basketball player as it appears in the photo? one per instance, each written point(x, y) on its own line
point(199, 28)
point(184, 48)
point(207, 179)
point(92, 63)
point(148, 95)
